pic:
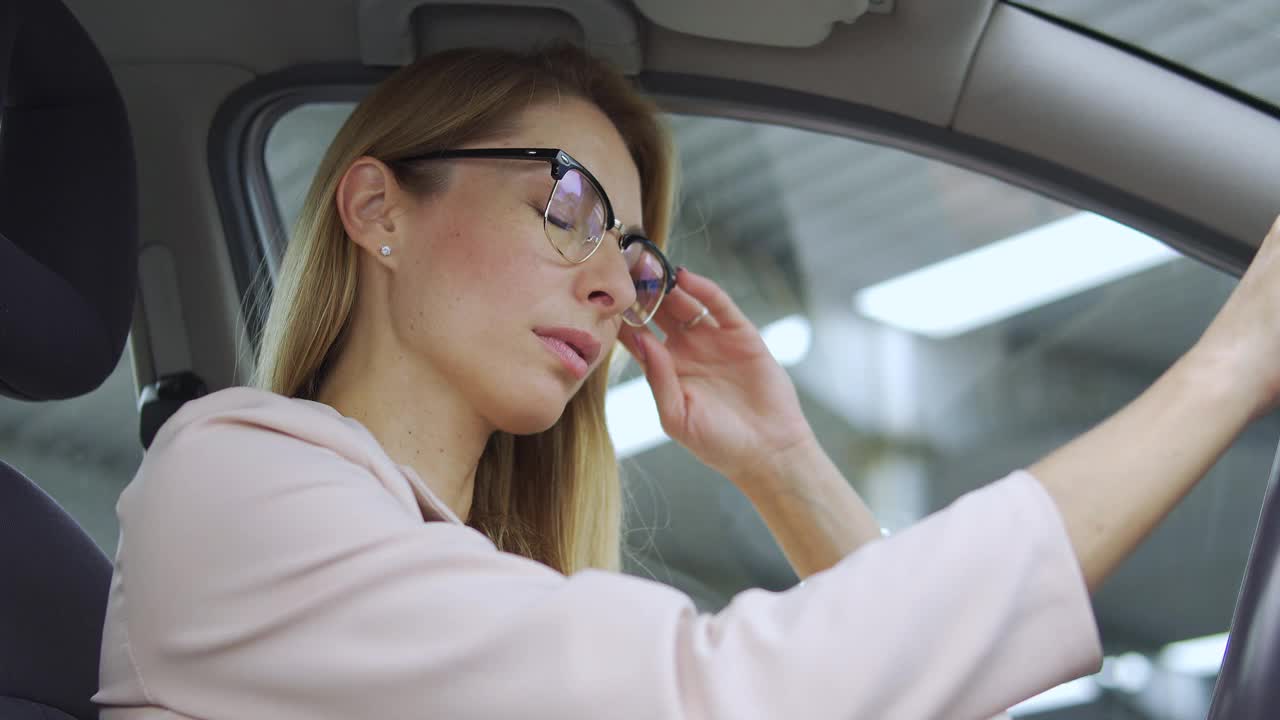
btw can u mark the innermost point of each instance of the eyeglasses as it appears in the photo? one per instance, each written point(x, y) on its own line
point(576, 218)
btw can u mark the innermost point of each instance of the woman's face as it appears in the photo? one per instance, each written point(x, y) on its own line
point(479, 292)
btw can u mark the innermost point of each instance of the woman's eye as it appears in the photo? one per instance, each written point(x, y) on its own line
point(555, 220)
point(560, 223)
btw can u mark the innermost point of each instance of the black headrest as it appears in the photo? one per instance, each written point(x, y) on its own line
point(68, 207)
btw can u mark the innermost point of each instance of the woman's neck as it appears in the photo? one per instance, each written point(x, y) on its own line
point(420, 420)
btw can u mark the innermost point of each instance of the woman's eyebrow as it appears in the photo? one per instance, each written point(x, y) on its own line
point(539, 171)
point(533, 167)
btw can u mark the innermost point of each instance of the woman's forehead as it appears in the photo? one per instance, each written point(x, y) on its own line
point(582, 130)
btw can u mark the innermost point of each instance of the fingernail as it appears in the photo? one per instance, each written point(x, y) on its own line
point(680, 269)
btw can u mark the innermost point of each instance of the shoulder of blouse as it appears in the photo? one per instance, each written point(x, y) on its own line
point(286, 426)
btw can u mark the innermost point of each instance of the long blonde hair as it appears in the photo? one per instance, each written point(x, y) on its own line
point(555, 496)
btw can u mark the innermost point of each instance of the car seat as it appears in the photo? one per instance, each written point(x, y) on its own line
point(68, 249)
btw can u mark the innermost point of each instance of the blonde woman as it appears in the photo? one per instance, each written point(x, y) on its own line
point(416, 514)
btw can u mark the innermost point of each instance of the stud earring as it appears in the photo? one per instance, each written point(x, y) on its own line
point(385, 250)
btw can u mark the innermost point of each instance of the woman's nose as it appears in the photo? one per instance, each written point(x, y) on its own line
point(607, 279)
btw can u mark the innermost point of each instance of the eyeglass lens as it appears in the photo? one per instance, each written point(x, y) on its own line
point(650, 278)
point(575, 217)
point(575, 224)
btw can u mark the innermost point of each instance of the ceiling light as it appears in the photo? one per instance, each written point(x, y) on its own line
point(1200, 656)
point(1130, 672)
point(632, 416)
point(1077, 692)
point(788, 339)
point(1011, 276)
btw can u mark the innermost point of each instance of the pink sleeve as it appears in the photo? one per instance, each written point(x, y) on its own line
point(265, 577)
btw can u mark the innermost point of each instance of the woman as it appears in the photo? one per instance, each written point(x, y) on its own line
point(415, 515)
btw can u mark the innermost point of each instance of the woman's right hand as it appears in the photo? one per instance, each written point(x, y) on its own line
point(1243, 341)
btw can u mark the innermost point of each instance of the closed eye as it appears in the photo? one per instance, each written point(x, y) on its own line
point(562, 224)
point(551, 218)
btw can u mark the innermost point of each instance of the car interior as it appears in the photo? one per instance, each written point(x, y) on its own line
point(969, 229)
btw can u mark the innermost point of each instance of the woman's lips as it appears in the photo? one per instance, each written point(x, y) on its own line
point(573, 362)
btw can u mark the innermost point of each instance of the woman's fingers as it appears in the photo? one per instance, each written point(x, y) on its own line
point(706, 291)
point(679, 309)
point(659, 371)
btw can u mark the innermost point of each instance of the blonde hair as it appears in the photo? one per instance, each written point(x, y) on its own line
point(554, 496)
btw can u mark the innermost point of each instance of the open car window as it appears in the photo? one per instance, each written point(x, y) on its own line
point(943, 328)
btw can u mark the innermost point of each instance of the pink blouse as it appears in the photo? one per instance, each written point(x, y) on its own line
point(274, 563)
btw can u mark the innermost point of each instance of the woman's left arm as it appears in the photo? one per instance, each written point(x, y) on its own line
point(722, 395)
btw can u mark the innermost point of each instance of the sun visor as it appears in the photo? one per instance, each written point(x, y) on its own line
point(782, 23)
point(396, 32)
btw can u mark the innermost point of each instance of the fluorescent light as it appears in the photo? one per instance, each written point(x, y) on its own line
point(1130, 672)
point(1077, 692)
point(1011, 276)
point(632, 416)
point(788, 339)
point(1199, 656)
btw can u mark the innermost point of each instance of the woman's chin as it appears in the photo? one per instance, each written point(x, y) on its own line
point(528, 407)
point(532, 418)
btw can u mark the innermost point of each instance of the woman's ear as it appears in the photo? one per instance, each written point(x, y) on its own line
point(365, 202)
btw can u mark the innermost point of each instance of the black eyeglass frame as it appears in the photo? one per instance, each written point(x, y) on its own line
point(561, 163)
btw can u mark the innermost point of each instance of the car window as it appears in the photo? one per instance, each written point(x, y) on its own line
point(943, 328)
point(82, 451)
point(1235, 43)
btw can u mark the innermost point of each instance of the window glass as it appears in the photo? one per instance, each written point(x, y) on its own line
point(294, 148)
point(1237, 43)
point(943, 329)
point(81, 451)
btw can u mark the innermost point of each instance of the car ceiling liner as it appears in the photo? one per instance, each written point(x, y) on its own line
point(782, 23)
point(395, 32)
